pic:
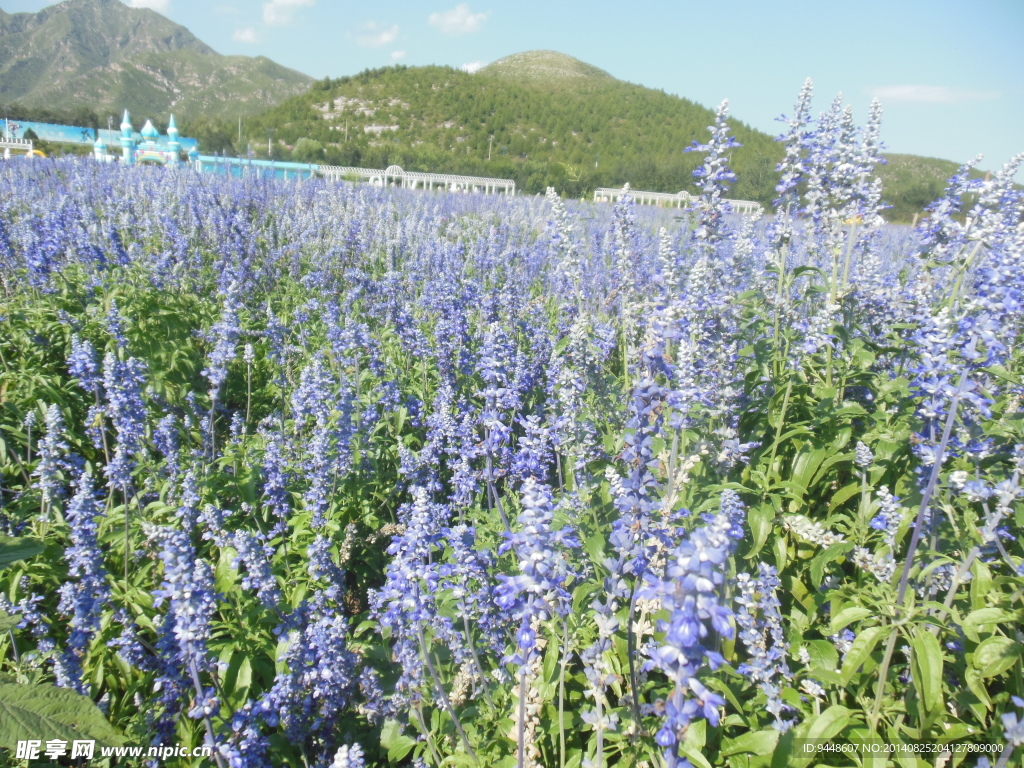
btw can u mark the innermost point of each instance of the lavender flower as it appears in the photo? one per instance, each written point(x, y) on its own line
point(53, 452)
point(85, 594)
point(689, 592)
point(713, 177)
point(83, 365)
point(863, 457)
point(760, 623)
point(225, 340)
point(187, 590)
point(349, 757)
point(539, 591)
point(123, 382)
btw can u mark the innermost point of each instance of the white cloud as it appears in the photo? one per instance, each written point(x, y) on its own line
point(458, 21)
point(277, 13)
point(160, 6)
point(396, 55)
point(931, 94)
point(372, 35)
point(472, 66)
point(246, 35)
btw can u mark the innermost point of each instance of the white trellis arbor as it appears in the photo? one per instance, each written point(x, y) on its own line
point(395, 176)
point(746, 207)
point(21, 145)
point(680, 199)
point(348, 173)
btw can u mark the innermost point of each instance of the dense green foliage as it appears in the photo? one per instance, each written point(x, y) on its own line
point(574, 135)
point(912, 182)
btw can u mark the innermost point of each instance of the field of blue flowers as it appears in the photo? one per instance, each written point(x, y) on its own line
point(327, 476)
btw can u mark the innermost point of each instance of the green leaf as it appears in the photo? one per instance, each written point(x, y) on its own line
point(834, 459)
point(822, 559)
point(981, 584)
point(14, 549)
point(927, 668)
point(844, 493)
point(225, 574)
point(831, 722)
point(981, 617)
point(861, 649)
point(694, 756)
point(806, 464)
point(760, 520)
point(595, 548)
point(977, 686)
point(8, 622)
point(781, 553)
point(847, 616)
point(754, 743)
point(823, 654)
point(995, 655)
point(696, 733)
point(41, 711)
point(239, 676)
point(395, 742)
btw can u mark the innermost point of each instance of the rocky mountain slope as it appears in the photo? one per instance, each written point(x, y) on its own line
point(109, 57)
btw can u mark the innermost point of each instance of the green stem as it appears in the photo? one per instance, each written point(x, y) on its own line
point(210, 739)
point(926, 497)
point(127, 539)
point(248, 392)
point(778, 306)
point(1004, 756)
point(634, 683)
point(846, 259)
point(444, 696)
point(522, 717)
point(782, 422)
point(561, 693)
point(426, 734)
point(962, 273)
point(476, 660)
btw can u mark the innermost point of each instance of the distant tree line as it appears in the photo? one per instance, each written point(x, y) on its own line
point(78, 116)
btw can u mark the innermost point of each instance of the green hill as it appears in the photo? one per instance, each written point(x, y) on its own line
point(543, 118)
point(107, 57)
point(911, 182)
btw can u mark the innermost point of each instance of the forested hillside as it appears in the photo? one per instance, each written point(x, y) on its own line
point(575, 132)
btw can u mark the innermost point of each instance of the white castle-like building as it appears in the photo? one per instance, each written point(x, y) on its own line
point(148, 147)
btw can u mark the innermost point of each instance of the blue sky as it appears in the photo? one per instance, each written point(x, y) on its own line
point(950, 73)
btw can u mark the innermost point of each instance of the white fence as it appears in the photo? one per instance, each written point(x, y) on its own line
point(22, 145)
point(679, 199)
point(395, 176)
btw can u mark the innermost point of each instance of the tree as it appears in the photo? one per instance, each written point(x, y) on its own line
point(308, 151)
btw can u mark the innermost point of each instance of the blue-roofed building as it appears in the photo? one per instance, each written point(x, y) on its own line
point(147, 146)
point(75, 134)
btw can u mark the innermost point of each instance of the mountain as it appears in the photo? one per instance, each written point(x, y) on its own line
point(545, 119)
point(547, 67)
point(106, 56)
